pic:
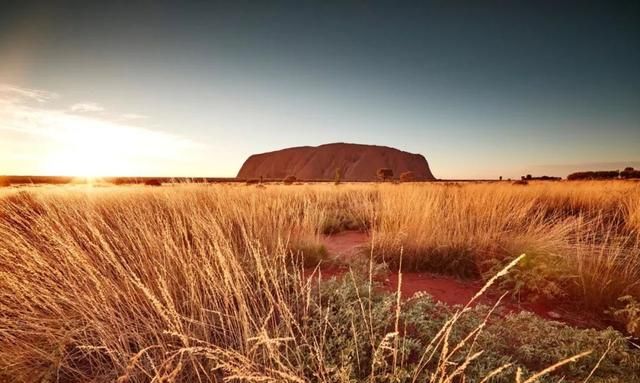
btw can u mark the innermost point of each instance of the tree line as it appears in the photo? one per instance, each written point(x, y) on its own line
point(627, 173)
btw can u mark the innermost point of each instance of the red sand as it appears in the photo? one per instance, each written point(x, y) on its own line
point(346, 244)
point(443, 289)
point(449, 290)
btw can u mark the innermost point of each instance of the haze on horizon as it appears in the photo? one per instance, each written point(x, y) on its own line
point(157, 88)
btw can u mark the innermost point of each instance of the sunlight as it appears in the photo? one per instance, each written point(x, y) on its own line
point(91, 148)
point(87, 161)
point(58, 142)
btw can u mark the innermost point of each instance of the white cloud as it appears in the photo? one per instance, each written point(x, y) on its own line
point(86, 107)
point(10, 93)
point(134, 116)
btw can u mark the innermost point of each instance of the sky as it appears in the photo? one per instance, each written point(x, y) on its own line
point(156, 88)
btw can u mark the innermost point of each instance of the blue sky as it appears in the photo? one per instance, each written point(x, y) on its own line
point(193, 88)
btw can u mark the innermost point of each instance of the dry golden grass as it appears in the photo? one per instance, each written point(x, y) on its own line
point(582, 239)
point(197, 283)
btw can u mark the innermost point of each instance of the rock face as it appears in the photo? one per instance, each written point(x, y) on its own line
point(356, 163)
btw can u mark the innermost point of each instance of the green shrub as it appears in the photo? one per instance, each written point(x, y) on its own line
point(628, 315)
point(524, 340)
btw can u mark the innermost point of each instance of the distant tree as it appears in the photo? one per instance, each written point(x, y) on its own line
point(384, 174)
point(529, 176)
point(500, 178)
point(153, 182)
point(288, 180)
point(629, 173)
point(338, 177)
point(407, 176)
point(598, 175)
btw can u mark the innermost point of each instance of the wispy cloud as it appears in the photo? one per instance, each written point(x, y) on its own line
point(134, 116)
point(64, 142)
point(86, 107)
point(10, 93)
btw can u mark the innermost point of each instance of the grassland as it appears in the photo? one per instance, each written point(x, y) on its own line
point(211, 283)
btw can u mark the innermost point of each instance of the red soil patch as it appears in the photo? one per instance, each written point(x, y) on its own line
point(346, 245)
point(444, 289)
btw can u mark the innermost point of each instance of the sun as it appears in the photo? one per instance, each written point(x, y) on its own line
point(81, 146)
point(91, 152)
point(85, 162)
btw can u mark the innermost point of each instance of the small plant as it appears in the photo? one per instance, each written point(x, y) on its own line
point(153, 182)
point(629, 315)
point(384, 174)
point(407, 176)
point(338, 177)
point(310, 254)
point(538, 276)
point(289, 180)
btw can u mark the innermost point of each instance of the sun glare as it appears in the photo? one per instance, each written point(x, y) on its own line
point(93, 151)
point(85, 162)
point(88, 147)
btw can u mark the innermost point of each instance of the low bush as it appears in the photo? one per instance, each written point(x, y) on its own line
point(519, 341)
point(630, 173)
point(289, 180)
point(384, 174)
point(407, 177)
point(594, 175)
point(309, 254)
point(628, 315)
point(153, 182)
